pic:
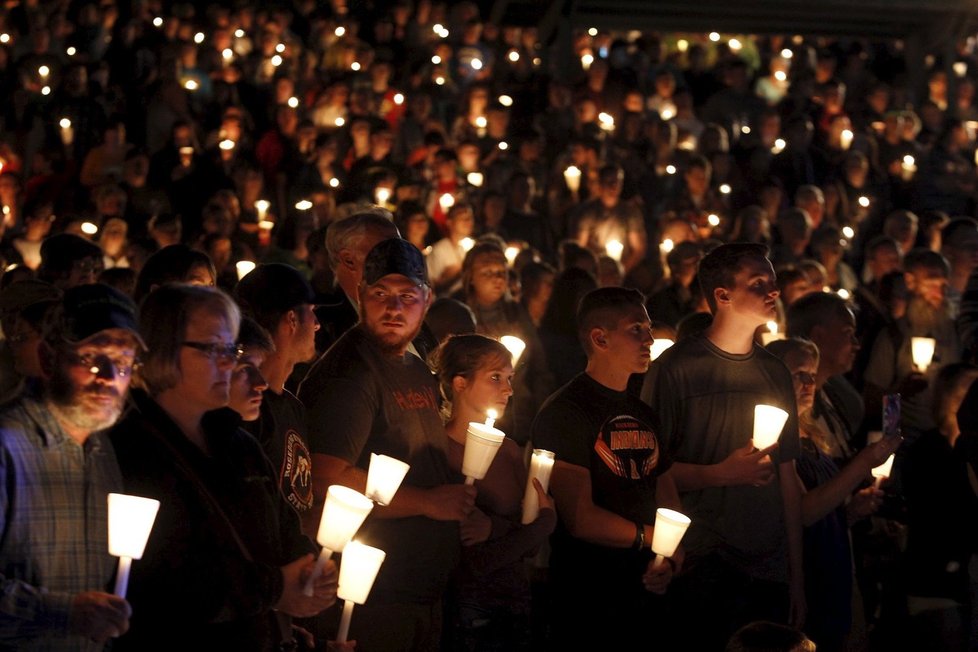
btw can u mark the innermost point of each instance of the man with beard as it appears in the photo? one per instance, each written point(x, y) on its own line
point(57, 470)
point(281, 300)
point(891, 369)
point(367, 395)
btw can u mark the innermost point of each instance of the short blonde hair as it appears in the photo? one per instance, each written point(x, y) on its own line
point(163, 318)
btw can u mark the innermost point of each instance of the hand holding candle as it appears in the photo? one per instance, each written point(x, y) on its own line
point(343, 514)
point(667, 532)
point(131, 519)
point(541, 466)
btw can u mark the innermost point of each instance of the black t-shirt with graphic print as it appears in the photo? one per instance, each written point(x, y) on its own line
point(281, 430)
point(360, 401)
point(614, 436)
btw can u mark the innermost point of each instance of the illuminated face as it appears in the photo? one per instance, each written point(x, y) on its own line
point(489, 279)
point(205, 377)
point(247, 385)
point(88, 383)
point(630, 341)
point(489, 387)
point(392, 310)
point(803, 368)
point(754, 293)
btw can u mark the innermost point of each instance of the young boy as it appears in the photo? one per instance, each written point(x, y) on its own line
point(610, 476)
point(744, 546)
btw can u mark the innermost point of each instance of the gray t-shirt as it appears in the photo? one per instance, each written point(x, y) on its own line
point(704, 399)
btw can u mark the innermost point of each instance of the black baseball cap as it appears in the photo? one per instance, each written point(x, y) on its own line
point(275, 287)
point(91, 309)
point(395, 256)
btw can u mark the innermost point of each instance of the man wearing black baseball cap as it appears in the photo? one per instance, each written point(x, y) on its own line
point(367, 395)
point(63, 467)
point(281, 300)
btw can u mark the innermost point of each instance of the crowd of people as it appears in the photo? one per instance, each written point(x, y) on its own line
point(245, 248)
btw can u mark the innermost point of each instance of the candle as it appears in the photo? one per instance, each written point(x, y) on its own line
point(446, 201)
point(845, 138)
point(343, 514)
point(475, 179)
point(358, 571)
point(515, 346)
point(779, 145)
point(482, 442)
point(882, 472)
point(480, 124)
point(303, 205)
point(382, 195)
point(668, 531)
point(262, 206)
point(772, 334)
point(572, 177)
point(384, 477)
point(606, 121)
point(659, 346)
point(614, 248)
point(768, 423)
point(88, 228)
point(666, 246)
point(908, 167)
point(491, 416)
point(67, 132)
point(244, 267)
point(186, 156)
point(713, 220)
point(511, 253)
point(541, 466)
point(131, 519)
point(922, 352)
point(466, 244)
point(586, 60)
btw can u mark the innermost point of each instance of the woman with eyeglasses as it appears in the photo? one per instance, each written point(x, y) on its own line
point(485, 288)
point(225, 563)
point(830, 503)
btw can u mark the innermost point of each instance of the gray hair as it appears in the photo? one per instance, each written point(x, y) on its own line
point(347, 232)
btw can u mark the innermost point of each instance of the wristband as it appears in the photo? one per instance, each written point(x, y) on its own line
point(639, 542)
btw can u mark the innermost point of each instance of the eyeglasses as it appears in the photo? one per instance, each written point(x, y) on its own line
point(803, 378)
point(217, 351)
point(98, 363)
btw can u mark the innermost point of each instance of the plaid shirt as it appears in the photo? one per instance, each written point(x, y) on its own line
point(54, 528)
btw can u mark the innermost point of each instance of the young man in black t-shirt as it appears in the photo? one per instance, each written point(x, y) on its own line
point(610, 476)
point(744, 546)
point(281, 300)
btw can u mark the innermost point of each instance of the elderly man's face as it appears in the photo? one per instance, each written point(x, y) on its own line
point(88, 382)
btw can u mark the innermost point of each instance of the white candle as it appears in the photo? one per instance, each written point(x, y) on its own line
point(382, 195)
point(511, 253)
point(67, 132)
point(882, 472)
point(515, 346)
point(358, 571)
point(262, 206)
point(772, 334)
point(244, 267)
point(667, 532)
point(659, 346)
point(131, 520)
point(541, 466)
point(615, 249)
point(768, 423)
point(343, 514)
point(466, 244)
point(572, 177)
point(666, 246)
point(845, 138)
point(482, 442)
point(475, 179)
point(384, 477)
point(908, 167)
point(446, 201)
point(922, 352)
